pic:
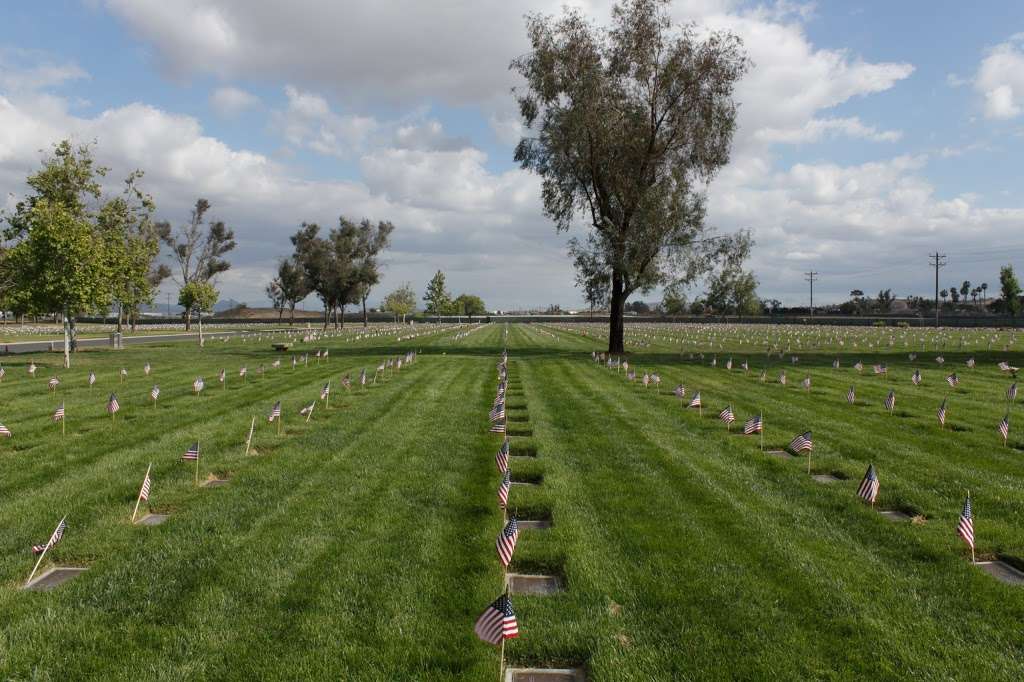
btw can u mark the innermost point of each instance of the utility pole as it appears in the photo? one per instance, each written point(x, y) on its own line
point(168, 304)
point(809, 276)
point(937, 260)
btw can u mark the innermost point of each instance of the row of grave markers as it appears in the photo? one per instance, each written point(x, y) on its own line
point(869, 486)
point(58, 575)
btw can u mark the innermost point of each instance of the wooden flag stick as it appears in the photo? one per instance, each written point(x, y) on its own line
point(972, 525)
point(762, 432)
point(248, 441)
point(197, 464)
point(46, 549)
point(280, 419)
point(62, 420)
point(139, 498)
point(310, 414)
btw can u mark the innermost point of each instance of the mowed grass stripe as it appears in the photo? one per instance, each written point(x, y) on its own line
point(711, 504)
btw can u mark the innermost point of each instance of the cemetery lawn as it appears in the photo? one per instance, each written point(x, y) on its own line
point(361, 545)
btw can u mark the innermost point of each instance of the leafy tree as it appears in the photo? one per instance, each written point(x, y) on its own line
point(437, 298)
point(199, 252)
point(730, 288)
point(288, 288)
point(856, 293)
point(60, 259)
point(631, 124)
point(885, 300)
point(371, 240)
point(468, 304)
point(199, 296)
point(134, 244)
point(1010, 290)
point(954, 294)
point(594, 279)
point(329, 266)
point(638, 307)
point(673, 301)
point(401, 301)
point(965, 289)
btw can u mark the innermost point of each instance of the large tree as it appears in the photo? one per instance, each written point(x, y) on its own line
point(63, 256)
point(401, 301)
point(436, 296)
point(289, 287)
point(469, 304)
point(627, 126)
point(1009, 290)
point(371, 240)
point(198, 248)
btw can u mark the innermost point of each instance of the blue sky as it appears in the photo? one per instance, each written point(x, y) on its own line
point(870, 133)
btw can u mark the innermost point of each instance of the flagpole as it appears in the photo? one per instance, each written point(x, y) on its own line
point(138, 500)
point(311, 407)
point(280, 418)
point(197, 464)
point(762, 432)
point(972, 527)
point(45, 550)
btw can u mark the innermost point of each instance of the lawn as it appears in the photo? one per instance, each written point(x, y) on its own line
point(360, 545)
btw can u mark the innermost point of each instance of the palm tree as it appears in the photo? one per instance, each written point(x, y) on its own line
point(984, 289)
point(944, 294)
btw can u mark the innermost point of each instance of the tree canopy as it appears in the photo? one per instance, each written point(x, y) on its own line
point(626, 128)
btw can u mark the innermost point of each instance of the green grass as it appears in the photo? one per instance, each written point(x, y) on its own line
point(361, 545)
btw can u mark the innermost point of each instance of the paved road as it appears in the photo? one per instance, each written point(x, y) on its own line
point(58, 346)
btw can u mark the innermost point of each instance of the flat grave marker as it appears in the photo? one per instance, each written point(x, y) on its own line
point(539, 524)
point(544, 675)
point(519, 583)
point(1002, 571)
point(825, 478)
point(152, 519)
point(894, 515)
point(53, 577)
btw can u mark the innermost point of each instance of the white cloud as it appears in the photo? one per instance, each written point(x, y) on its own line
point(229, 101)
point(819, 128)
point(31, 70)
point(1000, 79)
point(309, 122)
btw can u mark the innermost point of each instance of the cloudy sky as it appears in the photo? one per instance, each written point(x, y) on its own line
point(871, 133)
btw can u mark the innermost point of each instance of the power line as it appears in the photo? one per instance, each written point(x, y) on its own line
point(937, 260)
point(809, 276)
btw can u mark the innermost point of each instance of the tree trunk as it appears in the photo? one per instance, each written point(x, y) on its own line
point(280, 314)
point(617, 306)
point(364, 312)
point(120, 314)
point(327, 315)
point(67, 340)
point(339, 317)
point(201, 329)
point(188, 319)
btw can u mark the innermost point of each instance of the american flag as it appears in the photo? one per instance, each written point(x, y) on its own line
point(868, 489)
point(222, 376)
point(726, 415)
point(728, 364)
point(753, 425)
point(890, 400)
point(155, 392)
point(112, 405)
point(192, 453)
point(916, 377)
point(243, 371)
point(506, 543)
point(198, 384)
point(4, 431)
point(965, 527)
point(1004, 426)
point(807, 383)
point(498, 622)
point(32, 368)
point(970, 362)
point(646, 380)
point(498, 427)
point(124, 372)
point(3, 372)
point(294, 362)
point(802, 443)
point(859, 366)
point(308, 408)
point(851, 396)
point(497, 412)
point(506, 483)
point(695, 400)
point(1011, 392)
point(59, 413)
point(745, 366)
point(53, 383)
point(147, 484)
point(501, 459)
point(362, 377)
point(912, 356)
point(275, 412)
point(953, 379)
point(939, 359)
point(782, 378)
point(325, 391)
point(764, 375)
point(146, 369)
point(275, 364)
point(92, 378)
point(58, 533)
point(941, 413)
point(680, 391)
point(835, 364)
point(1007, 367)
point(346, 381)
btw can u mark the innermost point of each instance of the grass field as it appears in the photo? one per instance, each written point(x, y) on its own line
point(361, 545)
